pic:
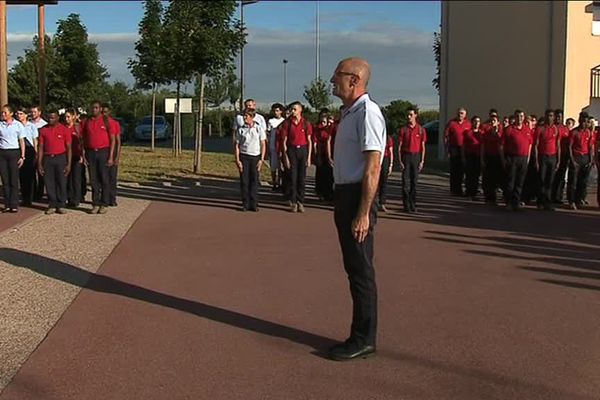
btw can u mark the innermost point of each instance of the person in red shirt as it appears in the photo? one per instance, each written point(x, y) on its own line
point(99, 151)
point(472, 162)
point(114, 129)
point(515, 152)
point(560, 178)
point(547, 158)
point(385, 171)
point(493, 176)
point(411, 146)
point(531, 186)
point(597, 152)
point(324, 171)
point(453, 141)
point(54, 162)
point(74, 182)
point(297, 145)
point(580, 151)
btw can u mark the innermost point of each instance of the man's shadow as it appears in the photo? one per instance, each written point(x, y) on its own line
point(104, 284)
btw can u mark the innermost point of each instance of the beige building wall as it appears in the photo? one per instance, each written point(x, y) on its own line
point(582, 54)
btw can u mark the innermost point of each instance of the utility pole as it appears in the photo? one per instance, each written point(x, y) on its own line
point(285, 82)
point(317, 47)
point(42, 54)
point(3, 56)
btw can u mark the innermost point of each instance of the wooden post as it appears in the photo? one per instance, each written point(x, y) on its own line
point(42, 55)
point(153, 129)
point(198, 149)
point(3, 56)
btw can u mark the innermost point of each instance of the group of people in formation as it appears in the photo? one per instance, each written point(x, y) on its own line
point(48, 154)
point(291, 143)
point(524, 158)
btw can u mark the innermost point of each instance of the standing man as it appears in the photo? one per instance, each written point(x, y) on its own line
point(12, 157)
point(581, 151)
point(360, 144)
point(515, 152)
point(250, 149)
point(453, 140)
point(99, 151)
point(548, 154)
point(114, 129)
point(297, 146)
point(39, 122)
point(560, 178)
point(272, 125)
point(491, 163)
point(27, 173)
point(386, 170)
point(238, 121)
point(54, 162)
point(411, 146)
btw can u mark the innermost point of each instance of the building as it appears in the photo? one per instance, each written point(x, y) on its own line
point(531, 55)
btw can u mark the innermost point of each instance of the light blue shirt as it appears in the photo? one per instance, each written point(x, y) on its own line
point(10, 134)
point(31, 132)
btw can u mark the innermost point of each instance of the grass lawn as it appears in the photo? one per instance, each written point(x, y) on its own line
point(139, 164)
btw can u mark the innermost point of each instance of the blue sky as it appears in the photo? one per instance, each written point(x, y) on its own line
point(395, 36)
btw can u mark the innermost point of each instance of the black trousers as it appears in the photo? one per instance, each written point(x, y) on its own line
point(286, 182)
point(558, 186)
point(358, 263)
point(457, 171)
point(249, 180)
point(516, 172)
point(324, 178)
point(578, 177)
point(113, 172)
point(410, 177)
point(546, 178)
point(55, 180)
point(97, 161)
point(493, 177)
point(383, 180)
point(472, 172)
point(27, 176)
point(75, 182)
point(531, 186)
point(9, 173)
point(39, 187)
point(298, 157)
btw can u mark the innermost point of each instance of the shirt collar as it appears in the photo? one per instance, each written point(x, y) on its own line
point(354, 106)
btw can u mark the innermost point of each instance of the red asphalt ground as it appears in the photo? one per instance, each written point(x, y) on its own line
point(200, 301)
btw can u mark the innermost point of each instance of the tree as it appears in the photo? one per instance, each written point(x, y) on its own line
point(147, 67)
point(395, 114)
point(317, 94)
point(437, 49)
point(220, 88)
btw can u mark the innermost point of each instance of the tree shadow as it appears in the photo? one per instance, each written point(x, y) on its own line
point(104, 284)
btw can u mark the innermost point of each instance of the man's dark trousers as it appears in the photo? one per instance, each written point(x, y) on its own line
point(457, 171)
point(113, 172)
point(410, 176)
point(74, 183)
point(55, 180)
point(9, 171)
point(298, 156)
point(97, 164)
point(472, 172)
point(27, 176)
point(558, 185)
point(578, 177)
point(547, 169)
point(358, 263)
point(383, 179)
point(249, 181)
point(516, 173)
point(493, 177)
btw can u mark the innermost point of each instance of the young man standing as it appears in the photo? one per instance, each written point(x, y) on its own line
point(547, 148)
point(272, 126)
point(39, 122)
point(114, 129)
point(493, 176)
point(515, 152)
point(558, 185)
point(581, 151)
point(297, 146)
point(27, 173)
point(250, 148)
point(453, 140)
point(54, 162)
point(411, 146)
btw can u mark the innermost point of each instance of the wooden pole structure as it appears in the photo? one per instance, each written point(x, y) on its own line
point(42, 54)
point(3, 55)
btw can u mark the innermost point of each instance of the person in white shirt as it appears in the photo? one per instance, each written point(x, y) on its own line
point(250, 148)
point(27, 173)
point(274, 162)
point(359, 147)
point(238, 121)
point(39, 122)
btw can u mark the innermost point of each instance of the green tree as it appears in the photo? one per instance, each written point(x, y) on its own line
point(317, 94)
point(437, 49)
point(428, 116)
point(395, 114)
point(218, 90)
point(147, 66)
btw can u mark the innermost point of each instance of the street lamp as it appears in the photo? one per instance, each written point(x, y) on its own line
point(242, 4)
point(285, 82)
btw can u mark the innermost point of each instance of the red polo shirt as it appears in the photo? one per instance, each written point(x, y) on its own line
point(75, 141)
point(454, 132)
point(472, 142)
point(580, 141)
point(412, 139)
point(564, 133)
point(389, 147)
point(297, 132)
point(491, 141)
point(517, 141)
point(95, 135)
point(547, 138)
point(321, 134)
point(54, 139)
point(114, 127)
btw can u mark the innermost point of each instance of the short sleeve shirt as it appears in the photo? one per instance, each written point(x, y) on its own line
point(547, 138)
point(31, 133)
point(250, 138)
point(54, 139)
point(517, 140)
point(455, 130)
point(10, 133)
point(238, 121)
point(361, 128)
point(412, 139)
point(580, 141)
point(272, 126)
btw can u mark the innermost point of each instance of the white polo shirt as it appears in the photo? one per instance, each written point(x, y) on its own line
point(250, 138)
point(361, 128)
point(238, 121)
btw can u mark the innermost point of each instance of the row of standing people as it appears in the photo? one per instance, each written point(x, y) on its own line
point(36, 154)
point(522, 158)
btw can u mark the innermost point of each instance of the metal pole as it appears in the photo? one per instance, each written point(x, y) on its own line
point(3, 56)
point(317, 47)
point(42, 54)
point(242, 61)
point(285, 82)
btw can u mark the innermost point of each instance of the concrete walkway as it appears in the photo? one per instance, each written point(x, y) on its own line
point(200, 301)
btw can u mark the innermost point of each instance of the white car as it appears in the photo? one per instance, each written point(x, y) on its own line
point(162, 128)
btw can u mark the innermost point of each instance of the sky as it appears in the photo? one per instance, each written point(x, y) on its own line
point(396, 38)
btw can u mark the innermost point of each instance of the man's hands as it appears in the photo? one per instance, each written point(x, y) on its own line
point(259, 165)
point(40, 169)
point(421, 164)
point(110, 162)
point(239, 165)
point(360, 228)
point(67, 170)
point(20, 162)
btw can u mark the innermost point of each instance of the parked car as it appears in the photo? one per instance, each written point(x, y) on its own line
point(162, 128)
point(433, 131)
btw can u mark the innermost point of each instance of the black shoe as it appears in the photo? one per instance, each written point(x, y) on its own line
point(349, 351)
point(254, 209)
point(413, 208)
point(244, 208)
point(113, 204)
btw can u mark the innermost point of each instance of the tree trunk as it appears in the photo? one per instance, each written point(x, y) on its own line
point(198, 149)
point(176, 126)
point(220, 115)
point(153, 133)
